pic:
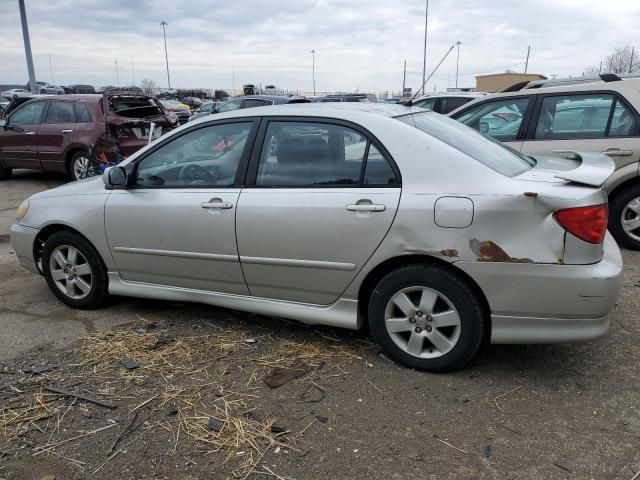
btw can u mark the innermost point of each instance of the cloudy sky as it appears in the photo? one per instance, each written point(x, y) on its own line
point(361, 44)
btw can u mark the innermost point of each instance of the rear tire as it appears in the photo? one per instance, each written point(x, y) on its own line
point(74, 271)
point(80, 166)
point(5, 173)
point(623, 217)
point(426, 317)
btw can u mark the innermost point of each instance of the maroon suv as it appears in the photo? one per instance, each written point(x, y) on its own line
point(69, 133)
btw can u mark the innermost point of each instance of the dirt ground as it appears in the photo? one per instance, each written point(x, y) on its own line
point(184, 392)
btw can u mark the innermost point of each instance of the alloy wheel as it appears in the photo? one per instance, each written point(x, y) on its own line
point(422, 322)
point(70, 272)
point(630, 218)
point(82, 168)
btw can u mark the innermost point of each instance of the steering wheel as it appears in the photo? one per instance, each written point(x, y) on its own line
point(194, 174)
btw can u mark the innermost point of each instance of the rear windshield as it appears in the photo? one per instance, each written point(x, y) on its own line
point(484, 149)
point(132, 106)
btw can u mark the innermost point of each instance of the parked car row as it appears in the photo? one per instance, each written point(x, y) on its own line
point(250, 101)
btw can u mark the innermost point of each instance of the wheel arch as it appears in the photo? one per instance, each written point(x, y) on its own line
point(48, 231)
point(378, 272)
point(631, 182)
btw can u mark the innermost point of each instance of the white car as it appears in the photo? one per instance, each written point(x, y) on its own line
point(16, 92)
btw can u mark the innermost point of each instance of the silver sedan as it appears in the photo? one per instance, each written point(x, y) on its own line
point(342, 214)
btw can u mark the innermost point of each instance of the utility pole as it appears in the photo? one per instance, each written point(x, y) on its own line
point(166, 56)
point(424, 57)
point(600, 69)
point(458, 43)
point(526, 63)
point(53, 81)
point(404, 79)
point(633, 50)
point(313, 70)
point(117, 74)
point(27, 48)
point(133, 75)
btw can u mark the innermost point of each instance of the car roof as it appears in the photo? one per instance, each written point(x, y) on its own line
point(274, 98)
point(341, 110)
point(597, 85)
point(452, 94)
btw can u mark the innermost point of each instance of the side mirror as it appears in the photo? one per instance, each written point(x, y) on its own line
point(484, 127)
point(114, 177)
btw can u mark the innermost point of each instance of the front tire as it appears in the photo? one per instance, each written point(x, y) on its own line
point(624, 218)
point(426, 317)
point(74, 271)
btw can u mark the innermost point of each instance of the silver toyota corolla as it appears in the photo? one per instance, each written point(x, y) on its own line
point(344, 215)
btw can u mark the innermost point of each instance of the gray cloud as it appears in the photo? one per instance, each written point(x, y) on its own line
point(361, 44)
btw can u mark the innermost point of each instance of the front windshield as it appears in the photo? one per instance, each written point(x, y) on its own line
point(482, 148)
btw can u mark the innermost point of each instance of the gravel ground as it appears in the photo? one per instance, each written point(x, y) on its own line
point(516, 412)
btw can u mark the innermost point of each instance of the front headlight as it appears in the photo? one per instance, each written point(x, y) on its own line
point(22, 210)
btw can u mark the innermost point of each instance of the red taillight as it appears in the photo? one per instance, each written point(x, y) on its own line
point(586, 223)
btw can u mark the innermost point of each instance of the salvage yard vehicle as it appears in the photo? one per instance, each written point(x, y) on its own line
point(252, 101)
point(57, 133)
point(444, 102)
point(356, 214)
point(588, 114)
point(16, 92)
point(179, 109)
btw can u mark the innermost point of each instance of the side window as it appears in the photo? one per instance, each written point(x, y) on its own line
point(206, 157)
point(426, 103)
point(60, 112)
point(623, 122)
point(451, 103)
point(306, 154)
point(229, 106)
point(82, 113)
point(255, 103)
point(574, 116)
point(29, 114)
point(378, 171)
point(500, 119)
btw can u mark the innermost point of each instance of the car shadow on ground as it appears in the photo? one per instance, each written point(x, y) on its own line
point(556, 361)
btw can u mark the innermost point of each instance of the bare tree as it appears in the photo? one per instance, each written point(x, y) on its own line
point(621, 60)
point(148, 86)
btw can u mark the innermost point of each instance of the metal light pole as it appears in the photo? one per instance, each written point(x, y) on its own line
point(133, 75)
point(27, 48)
point(458, 43)
point(117, 74)
point(166, 57)
point(424, 58)
point(313, 70)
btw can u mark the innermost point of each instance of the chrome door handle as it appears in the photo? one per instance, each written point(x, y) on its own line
point(67, 131)
point(366, 207)
point(614, 152)
point(220, 205)
point(29, 133)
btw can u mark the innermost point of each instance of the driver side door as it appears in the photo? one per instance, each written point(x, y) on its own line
point(174, 224)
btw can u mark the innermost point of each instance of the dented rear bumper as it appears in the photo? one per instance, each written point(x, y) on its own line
point(549, 303)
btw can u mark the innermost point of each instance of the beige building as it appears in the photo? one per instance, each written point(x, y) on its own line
point(497, 82)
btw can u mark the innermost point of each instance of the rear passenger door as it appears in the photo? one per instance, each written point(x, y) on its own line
point(56, 135)
point(594, 121)
point(319, 198)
